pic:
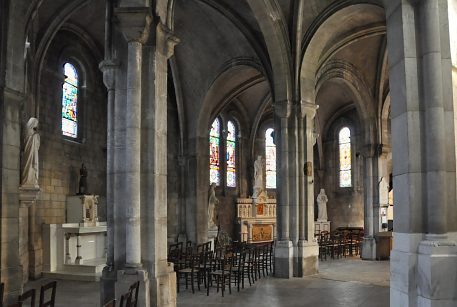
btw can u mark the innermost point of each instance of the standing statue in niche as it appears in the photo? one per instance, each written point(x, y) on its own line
point(213, 204)
point(32, 144)
point(82, 180)
point(322, 206)
point(258, 177)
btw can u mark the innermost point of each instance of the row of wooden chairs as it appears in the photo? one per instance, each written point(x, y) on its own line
point(198, 264)
point(339, 244)
point(28, 297)
point(128, 299)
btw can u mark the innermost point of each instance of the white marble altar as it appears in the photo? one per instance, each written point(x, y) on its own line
point(76, 250)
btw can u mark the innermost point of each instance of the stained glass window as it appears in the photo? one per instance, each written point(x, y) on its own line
point(70, 102)
point(231, 146)
point(270, 159)
point(344, 140)
point(214, 141)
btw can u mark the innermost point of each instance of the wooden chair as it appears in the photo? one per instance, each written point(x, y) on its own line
point(126, 299)
point(44, 289)
point(2, 288)
point(189, 270)
point(134, 289)
point(221, 273)
point(111, 303)
point(18, 304)
point(30, 294)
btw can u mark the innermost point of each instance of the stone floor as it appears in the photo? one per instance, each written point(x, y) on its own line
point(347, 282)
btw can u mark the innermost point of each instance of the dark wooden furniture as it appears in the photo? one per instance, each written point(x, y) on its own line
point(51, 286)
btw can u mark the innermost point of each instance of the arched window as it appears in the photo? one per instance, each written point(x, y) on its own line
point(231, 155)
point(270, 159)
point(345, 167)
point(214, 141)
point(70, 102)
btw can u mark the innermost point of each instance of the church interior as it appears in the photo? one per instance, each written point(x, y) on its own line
point(301, 133)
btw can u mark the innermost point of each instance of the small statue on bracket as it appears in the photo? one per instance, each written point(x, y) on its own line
point(83, 181)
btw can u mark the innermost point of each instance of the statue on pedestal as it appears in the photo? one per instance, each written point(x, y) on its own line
point(213, 204)
point(322, 206)
point(258, 177)
point(82, 180)
point(30, 158)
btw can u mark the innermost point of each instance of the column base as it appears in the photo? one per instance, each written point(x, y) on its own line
point(369, 248)
point(163, 288)
point(437, 274)
point(308, 255)
point(126, 277)
point(284, 254)
point(107, 285)
point(35, 263)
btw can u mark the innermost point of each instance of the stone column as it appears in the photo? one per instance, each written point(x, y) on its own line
point(369, 242)
point(284, 248)
point(134, 23)
point(108, 67)
point(423, 259)
point(308, 250)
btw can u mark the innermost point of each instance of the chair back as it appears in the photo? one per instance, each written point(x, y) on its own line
point(51, 286)
point(134, 288)
point(2, 288)
point(111, 303)
point(126, 299)
point(30, 294)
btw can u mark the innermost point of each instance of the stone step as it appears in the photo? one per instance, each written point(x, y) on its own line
point(72, 276)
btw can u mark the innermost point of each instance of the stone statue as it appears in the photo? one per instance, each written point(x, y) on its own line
point(30, 158)
point(213, 204)
point(82, 180)
point(322, 206)
point(258, 177)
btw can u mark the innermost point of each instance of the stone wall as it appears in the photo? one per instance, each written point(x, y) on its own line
point(61, 157)
point(345, 205)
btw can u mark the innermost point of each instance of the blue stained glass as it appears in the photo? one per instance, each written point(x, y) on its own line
point(70, 102)
point(214, 139)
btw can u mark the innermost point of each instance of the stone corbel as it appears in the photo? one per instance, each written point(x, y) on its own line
point(369, 150)
point(28, 195)
point(108, 67)
point(134, 22)
point(166, 40)
point(308, 109)
point(282, 108)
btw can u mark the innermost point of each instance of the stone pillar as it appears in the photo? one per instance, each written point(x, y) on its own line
point(308, 250)
point(284, 248)
point(423, 259)
point(107, 284)
point(134, 23)
point(369, 242)
point(161, 273)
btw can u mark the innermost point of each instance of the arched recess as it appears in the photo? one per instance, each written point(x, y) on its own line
point(341, 24)
point(234, 79)
point(362, 96)
point(64, 13)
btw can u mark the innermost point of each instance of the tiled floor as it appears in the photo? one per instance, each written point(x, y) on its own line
point(348, 282)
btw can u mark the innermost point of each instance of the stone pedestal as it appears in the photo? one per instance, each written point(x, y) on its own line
point(369, 248)
point(284, 255)
point(437, 276)
point(321, 226)
point(163, 288)
point(308, 254)
point(212, 235)
point(82, 209)
point(32, 253)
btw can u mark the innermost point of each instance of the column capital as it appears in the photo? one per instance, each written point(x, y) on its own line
point(307, 109)
point(370, 150)
point(282, 108)
point(108, 67)
point(166, 40)
point(134, 22)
